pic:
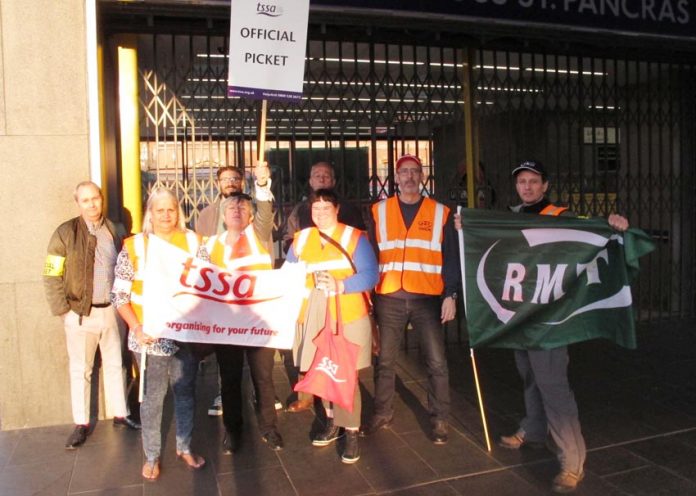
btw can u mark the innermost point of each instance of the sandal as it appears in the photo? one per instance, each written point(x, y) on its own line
point(192, 461)
point(151, 471)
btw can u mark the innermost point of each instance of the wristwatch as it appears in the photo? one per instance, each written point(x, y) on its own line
point(454, 296)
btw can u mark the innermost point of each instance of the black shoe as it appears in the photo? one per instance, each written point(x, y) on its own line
point(376, 423)
point(351, 451)
point(440, 432)
point(77, 438)
point(273, 440)
point(126, 422)
point(232, 441)
point(330, 433)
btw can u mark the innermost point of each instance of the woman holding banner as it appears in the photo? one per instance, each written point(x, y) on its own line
point(240, 248)
point(341, 269)
point(167, 361)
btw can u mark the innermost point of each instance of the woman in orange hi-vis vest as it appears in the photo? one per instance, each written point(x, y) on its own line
point(168, 362)
point(241, 247)
point(340, 261)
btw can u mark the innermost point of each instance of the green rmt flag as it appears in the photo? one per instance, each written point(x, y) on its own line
point(540, 282)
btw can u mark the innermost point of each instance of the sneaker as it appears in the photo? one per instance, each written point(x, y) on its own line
point(351, 450)
point(440, 432)
point(566, 482)
point(376, 423)
point(215, 410)
point(330, 433)
point(273, 439)
point(127, 422)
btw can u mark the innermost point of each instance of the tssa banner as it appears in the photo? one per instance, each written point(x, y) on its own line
point(188, 299)
point(540, 282)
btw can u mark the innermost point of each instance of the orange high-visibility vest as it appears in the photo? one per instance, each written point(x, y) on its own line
point(247, 252)
point(410, 259)
point(136, 246)
point(553, 210)
point(308, 248)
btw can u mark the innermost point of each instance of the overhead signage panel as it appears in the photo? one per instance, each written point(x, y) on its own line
point(268, 40)
point(662, 17)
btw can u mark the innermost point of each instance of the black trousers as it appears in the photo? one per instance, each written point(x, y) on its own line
point(231, 362)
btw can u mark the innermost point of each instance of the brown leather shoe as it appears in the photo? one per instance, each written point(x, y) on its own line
point(300, 405)
point(566, 482)
point(516, 441)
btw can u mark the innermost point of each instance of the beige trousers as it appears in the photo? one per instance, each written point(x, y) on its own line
point(98, 329)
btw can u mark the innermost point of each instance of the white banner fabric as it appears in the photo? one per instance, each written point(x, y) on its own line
point(191, 300)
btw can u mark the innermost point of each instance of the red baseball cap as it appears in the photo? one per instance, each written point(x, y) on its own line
point(405, 158)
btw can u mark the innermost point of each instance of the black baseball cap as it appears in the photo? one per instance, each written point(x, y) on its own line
point(532, 166)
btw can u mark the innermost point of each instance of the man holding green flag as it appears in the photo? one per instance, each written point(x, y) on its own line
point(537, 284)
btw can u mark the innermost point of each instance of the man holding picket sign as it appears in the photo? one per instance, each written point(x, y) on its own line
point(543, 364)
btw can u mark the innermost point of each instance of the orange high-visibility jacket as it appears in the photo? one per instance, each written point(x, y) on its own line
point(553, 210)
point(136, 246)
point(410, 259)
point(307, 247)
point(247, 252)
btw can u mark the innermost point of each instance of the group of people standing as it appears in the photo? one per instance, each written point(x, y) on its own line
point(408, 259)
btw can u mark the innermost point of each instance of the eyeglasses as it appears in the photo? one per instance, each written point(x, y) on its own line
point(230, 179)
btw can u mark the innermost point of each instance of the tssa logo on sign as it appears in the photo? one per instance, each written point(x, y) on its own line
point(557, 260)
point(269, 9)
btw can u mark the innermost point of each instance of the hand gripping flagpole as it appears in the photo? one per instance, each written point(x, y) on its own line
point(460, 233)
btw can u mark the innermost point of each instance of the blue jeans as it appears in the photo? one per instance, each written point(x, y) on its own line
point(161, 371)
point(550, 404)
point(424, 315)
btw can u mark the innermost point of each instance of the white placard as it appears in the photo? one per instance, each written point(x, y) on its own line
point(268, 43)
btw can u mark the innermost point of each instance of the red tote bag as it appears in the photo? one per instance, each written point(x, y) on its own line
point(332, 375)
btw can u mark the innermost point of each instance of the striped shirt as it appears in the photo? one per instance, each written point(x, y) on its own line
point(104, 262)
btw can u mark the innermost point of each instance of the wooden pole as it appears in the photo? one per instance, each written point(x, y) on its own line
point(262, 131)
point(479, 395)
point(480, 401)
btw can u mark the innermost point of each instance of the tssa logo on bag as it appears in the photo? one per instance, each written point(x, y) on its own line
point(329, 368)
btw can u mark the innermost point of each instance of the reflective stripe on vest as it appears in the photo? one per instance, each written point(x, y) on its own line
point(247, 253)
point(136, 246)
point(318, 254)
point(410, 259)
point(553, 210)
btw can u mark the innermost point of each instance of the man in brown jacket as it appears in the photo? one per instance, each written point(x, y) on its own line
point(78, 276)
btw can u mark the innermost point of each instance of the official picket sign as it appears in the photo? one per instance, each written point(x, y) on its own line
point(540, 282)
point(268, 41)
point(191, 300)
